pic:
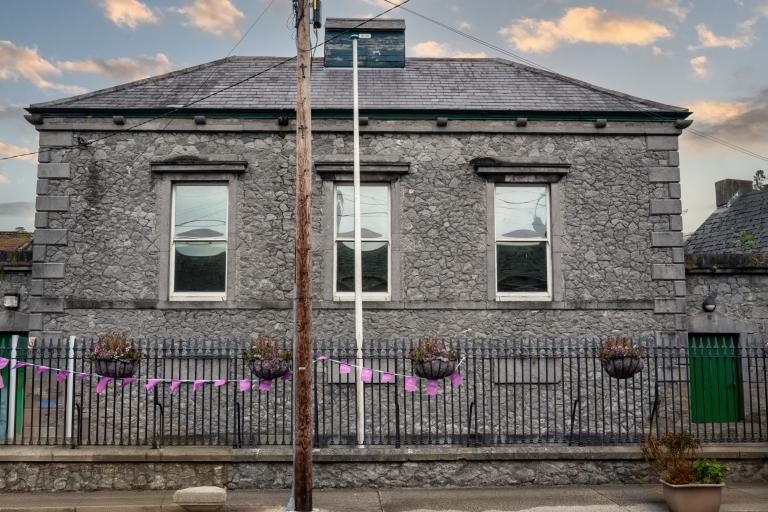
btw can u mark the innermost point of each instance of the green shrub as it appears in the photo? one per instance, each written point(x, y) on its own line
point(707, 472)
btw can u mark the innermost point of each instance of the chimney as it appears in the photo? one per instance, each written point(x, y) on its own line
point(725, 190)
point(385, 48)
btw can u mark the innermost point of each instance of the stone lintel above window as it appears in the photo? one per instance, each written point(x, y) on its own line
point(195, 164)
point(521, 170)
point(372, 168)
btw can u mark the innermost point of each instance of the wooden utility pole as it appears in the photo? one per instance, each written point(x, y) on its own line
point(302, 476)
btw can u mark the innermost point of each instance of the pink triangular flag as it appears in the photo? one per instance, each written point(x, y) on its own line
point(151, 383)
point(265, 386)
point(128, 381)
point(2, 384)
point(20, 364)
point(41, 369)
point(366, 374)
point(245, 385)
point(175, 383)
point(4, 362)
point(456, 379)
point(410, 384)
point(320, 358)
point(197, 385)
point(102, 385)
point(219, 382)
point(345, 368)
point(83, 376)
point(387, 377)
point(287, 376)
point(432, 388)
point(62, 375)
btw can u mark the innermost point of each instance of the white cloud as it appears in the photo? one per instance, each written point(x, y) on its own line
point(218, 17)
point(441, 50)
point(659, 52)
point(715, 112)
point(708, 39)
point(744, 121)
point(11, 150)
point(18, 61)
point(463, 25)
point(3, 179)
point(673, 7)
point(700, 66)
point(122, 69)
point(130, 13)
point(582, 24)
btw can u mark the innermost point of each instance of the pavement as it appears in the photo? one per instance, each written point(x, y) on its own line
point(602, 498)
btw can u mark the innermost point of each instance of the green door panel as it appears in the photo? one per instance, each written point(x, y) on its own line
point(21, 373)
point(715, 378)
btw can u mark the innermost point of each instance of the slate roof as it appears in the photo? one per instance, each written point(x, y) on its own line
point(424, 84)
point(720, 232)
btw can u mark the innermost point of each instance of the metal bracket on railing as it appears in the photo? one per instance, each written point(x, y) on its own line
point(573, 415)
point(469, 426)
point(155, 442)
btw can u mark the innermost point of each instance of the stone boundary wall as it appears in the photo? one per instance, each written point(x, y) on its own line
point(25, 469)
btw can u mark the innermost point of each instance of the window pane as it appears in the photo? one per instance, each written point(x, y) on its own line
point(374, 211)
point(200, 266)
point(521, 212)
point(521, 267)
point(375, 262)
point(201, 211)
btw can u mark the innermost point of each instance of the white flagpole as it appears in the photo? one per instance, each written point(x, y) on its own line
point(360, 397)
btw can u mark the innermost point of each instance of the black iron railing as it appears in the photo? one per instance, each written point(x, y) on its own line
point(514, 391)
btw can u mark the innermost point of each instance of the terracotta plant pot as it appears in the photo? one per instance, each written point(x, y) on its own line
point(623, 367)
point(265, 371)
point(693, 497)
point(434, 370)
point(115, 369)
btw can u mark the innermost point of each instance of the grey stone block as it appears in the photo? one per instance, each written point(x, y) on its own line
point(52, 204)
point(673, 158)
point(47, 270)
point(44, 156)
point(681, 323)
point(668, 306)
point(41, 219)
point(46, 305)
point(201, 499)
point(663, 174)
point(38, 252)
point(53, 171)
point(667, 239)
point(55, 138)
point(661, 142)
point(666, 207)
point(51, 236)
point(674, 191)
point(680, 288)
point(36, 287)
point(663, 271)
point(35, 322)
point(678, 255)
point(42, 187)
point(675, 223)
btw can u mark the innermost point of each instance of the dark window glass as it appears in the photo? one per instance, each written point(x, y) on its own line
point(375, 261)
point(200, 266)
point(521, 267)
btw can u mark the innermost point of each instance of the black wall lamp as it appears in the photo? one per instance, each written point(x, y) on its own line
point(709, 304)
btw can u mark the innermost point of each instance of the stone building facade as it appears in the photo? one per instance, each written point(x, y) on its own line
point(613, 241)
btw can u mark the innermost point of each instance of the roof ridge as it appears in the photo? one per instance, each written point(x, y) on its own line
point(590, 86)
point(127, 85)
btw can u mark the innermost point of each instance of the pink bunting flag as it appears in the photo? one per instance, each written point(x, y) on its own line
point(4, 362)
point(151, 383)
point(127, 381)
point(245, 385)
point(433, 388)
point(387, 377)
point(41, 369)
point(219, 382)
point(366, 374)
point(62, 375)
point(265, 386)
point(456, 379)
point(345, 369)
point(410, 384)
point(320, 358)
point(102, 385)
point(83, 376)
point(2, 384)
point(287, 376)
point(197, 385)
point(20, 364)
point(175, 383)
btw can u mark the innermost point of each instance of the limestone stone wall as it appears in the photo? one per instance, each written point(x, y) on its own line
point(15, 280)
point(100, 244)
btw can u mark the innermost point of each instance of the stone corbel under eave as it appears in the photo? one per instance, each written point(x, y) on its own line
point(190, 164)
point(520, 170)
point(372, 168)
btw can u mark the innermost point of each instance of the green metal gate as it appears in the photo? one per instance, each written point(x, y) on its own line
point(5, 351)
point(714, 366)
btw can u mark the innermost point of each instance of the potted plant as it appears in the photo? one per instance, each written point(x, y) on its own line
point(621, 357)
point(267, 360)
point(115, 356)
point(431, 359)
point(691, 484)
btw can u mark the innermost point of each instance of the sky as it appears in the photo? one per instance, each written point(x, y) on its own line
point(709, 56)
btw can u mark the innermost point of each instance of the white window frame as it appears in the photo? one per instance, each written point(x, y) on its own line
point(368, 296)
point(523, 296)
point(197, 296)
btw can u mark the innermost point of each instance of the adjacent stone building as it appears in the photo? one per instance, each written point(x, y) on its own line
point(15, 269)
point(499, 201)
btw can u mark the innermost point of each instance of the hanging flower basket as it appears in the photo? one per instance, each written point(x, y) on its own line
point(623, 367)
point(115, 369)
point(434, 370)
point(269, 369)
point(621, 357)
point(432, 360)
point(267, 360)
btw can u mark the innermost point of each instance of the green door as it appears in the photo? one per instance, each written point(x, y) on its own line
point(5, 351)
point(715, 378)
